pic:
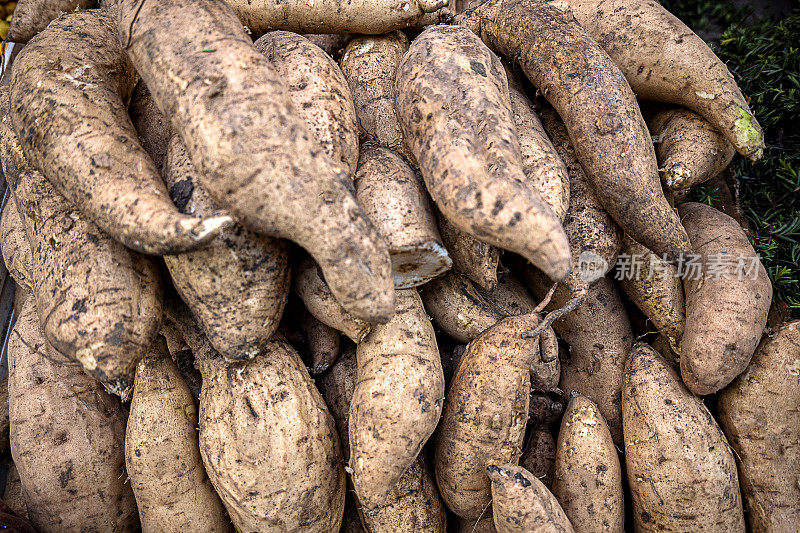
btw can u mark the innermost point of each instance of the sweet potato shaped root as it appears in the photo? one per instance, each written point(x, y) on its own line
point(542, 166)
point(237, 286)
point(522, 504)
point(67, 439)
point(319, 91)
point(612, 141)
point(689, 149)
point(267, 440)
point(16, 250)
point(669, 63)
point(321, 303)
point(253, 152)
point(485, 413)
point(472, 258)
point(33, 16)
point(468, 150)
point(397, 401)
point(588, 476)
point(100, 303)
point(69, 95)
point(758, 413)
point(680, 468)
point(594, 237)
point(413, 504)
point(655, 287)
point(397, 203)
point(600, 337)
point(332, 16)
point(370, 65)
point(727, 300)
point(162, 455)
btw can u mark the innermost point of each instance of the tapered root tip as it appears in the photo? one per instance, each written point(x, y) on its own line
point(206, 229)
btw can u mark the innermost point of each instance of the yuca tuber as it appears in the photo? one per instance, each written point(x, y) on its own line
point(472, 258)
point(320, 302)
point(14, 245)
point(413, 503)
point(664, 60)
point(397, 203)
point(397, 402)
point(33, 16)
point(600, 337)
point(452, 100)
point(332, 16)
point(319, 92)
point(267, 440)
point(539, 456)
point(152, 127)
point(100, 304)
point(522, 504)
point(162, 455)
point(728, 295)
point(69, 93)
point(543, 168)
point(758, 413)
point(655, 287)
point(599, 109)
point(237, 286)
point(370, 65)
point(67, 439)
point(588, 476)
point(322, 341)
point(680, 468)
point(253, 152)
point(485, 412)
point(594, 237)
point(689, 150)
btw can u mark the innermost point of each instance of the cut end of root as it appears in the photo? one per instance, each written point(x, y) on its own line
point(416, 265)
point(675, 176)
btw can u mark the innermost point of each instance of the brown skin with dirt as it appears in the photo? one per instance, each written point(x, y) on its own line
point(688, 148)
point(758, 413)
point(611, 141)
point(236, 287)
point(33, 16)
point(152, 127)
point(67, 439)
point(467, 147)
point(319, 91)
point(397, 402)
point(588, 475)
point(485, 412)
point(681, 470)
point(472, 258)
point(320, 302)
point(522, 504)
point(663, 60)
point(332, 16)
point(15, 248)
point(100, 303)
point(70, 89)
point(323, 343)
point(267, 440)
point(726, 310)
point(254, 153)
point(539, 456)
point(396, 202)
point(162, 455)
point(370, 65)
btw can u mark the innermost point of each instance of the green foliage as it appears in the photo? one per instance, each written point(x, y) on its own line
point(764, 57)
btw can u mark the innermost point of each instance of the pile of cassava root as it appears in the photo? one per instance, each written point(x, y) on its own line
point(467, 222)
